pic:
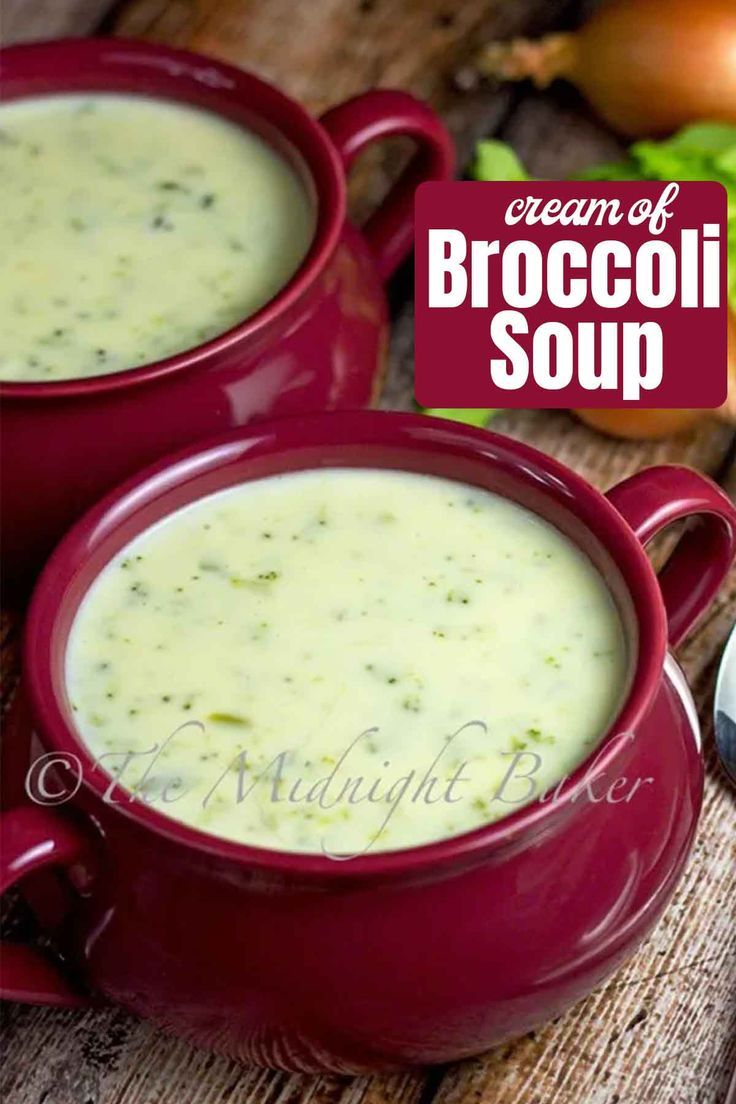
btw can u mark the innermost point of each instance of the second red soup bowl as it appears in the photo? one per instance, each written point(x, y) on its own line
point(319, 344)
point(416, 956)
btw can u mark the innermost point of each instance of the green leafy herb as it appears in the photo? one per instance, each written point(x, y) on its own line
point(468, 417)
point(495, 160)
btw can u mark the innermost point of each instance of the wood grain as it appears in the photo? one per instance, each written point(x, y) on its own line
point(28, 20)
point(663, 1030)
point(323, 52)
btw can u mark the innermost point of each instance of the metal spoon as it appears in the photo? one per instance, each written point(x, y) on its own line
point(725, 709)
point(725, 737)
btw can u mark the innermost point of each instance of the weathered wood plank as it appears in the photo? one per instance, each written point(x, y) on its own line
point(28, 20)
point(326, 52)
point(106, 1056)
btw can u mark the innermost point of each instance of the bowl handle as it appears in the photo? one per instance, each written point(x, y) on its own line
point(651, 500)
point(367, 118)
point(35, 838)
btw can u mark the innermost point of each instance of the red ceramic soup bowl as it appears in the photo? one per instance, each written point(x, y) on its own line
point(415, 956)
point(318, 344)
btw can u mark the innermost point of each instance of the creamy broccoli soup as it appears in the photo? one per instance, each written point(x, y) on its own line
point(344, 660)
point(132, 229)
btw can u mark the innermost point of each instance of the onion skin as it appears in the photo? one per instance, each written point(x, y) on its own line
point(641, 425)
point(727, 413)
point(648, 67)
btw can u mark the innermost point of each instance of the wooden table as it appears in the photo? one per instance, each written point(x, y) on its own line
point(663, 1030)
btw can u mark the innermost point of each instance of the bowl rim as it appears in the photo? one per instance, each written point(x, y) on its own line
point(238, 84)
point(336, 428)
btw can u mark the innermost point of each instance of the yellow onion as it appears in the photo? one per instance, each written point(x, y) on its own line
point(640, 425)
point(727, 412)
point(646, 66)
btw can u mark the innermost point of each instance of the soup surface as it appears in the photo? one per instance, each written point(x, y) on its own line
point(132, 229)
point(285, 654)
